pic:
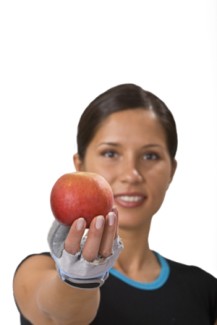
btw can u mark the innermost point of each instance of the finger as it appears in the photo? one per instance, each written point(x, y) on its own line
point(110, 231)
point(92, 244)
point(115, 210)
point(73, 239)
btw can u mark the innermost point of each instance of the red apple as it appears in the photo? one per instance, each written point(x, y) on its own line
point(80, 194)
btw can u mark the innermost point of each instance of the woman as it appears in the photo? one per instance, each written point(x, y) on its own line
point(127, 135)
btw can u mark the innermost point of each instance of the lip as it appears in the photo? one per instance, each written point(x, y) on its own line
point(130, 200)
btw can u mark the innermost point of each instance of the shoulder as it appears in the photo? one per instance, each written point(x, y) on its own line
point(27, 275)
point(193, 274)
point(189, 269)
point(33, 257)
point(198, 283)
point(31, 267)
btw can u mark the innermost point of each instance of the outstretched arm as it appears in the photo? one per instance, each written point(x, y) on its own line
point(44, 298)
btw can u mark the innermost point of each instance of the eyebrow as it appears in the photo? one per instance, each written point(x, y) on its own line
point(115, 144)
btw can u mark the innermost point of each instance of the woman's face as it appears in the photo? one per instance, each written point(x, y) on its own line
point(130, 151)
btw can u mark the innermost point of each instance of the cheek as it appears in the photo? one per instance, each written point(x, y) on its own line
point(107, 174)
point(157, 191)
point(95, 167)
point(159, 182)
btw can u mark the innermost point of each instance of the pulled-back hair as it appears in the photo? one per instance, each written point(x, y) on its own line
point(120, 98)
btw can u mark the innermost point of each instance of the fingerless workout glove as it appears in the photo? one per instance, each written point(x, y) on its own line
point(74, 269)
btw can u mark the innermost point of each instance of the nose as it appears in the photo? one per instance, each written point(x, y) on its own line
point(131, 173)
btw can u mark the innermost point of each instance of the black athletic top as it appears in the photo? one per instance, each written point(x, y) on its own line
point(181, 295)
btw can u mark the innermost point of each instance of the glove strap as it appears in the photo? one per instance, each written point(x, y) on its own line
point(84, 284)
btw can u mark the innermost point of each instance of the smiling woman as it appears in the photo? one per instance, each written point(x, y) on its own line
point(139, 155)
point(127, 135)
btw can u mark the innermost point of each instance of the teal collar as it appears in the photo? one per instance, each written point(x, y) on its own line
point(156, 284)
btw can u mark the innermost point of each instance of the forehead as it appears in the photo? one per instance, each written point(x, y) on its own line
point(137, 124)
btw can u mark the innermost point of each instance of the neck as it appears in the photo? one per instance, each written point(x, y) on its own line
point(137, 261)
point(135, 241)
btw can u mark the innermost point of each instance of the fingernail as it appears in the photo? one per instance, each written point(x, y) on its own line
point(111, 218)
point(99, 222)
point(80, 224)
point(115, 210)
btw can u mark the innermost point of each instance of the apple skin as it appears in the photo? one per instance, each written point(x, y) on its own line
point(80, 194)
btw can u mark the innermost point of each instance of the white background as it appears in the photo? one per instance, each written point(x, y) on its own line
point(55, 57)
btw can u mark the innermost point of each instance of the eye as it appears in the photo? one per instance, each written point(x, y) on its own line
point(109, 154)
point(151, 156)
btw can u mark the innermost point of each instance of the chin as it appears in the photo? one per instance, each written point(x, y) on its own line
point(134, 225)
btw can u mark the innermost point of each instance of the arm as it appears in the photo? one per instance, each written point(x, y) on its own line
point(45, 299)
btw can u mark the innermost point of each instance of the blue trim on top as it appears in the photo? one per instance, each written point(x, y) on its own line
point(156, 284)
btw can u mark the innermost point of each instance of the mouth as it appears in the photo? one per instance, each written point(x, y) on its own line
point(129, 200)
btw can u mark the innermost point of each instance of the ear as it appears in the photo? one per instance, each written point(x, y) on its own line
point(173, 169)
point(78, 163)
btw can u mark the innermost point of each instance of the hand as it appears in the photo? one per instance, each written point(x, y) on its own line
point(84, 259)
point(99, 240)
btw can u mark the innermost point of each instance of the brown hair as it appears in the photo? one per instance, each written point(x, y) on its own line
point(120, 98)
